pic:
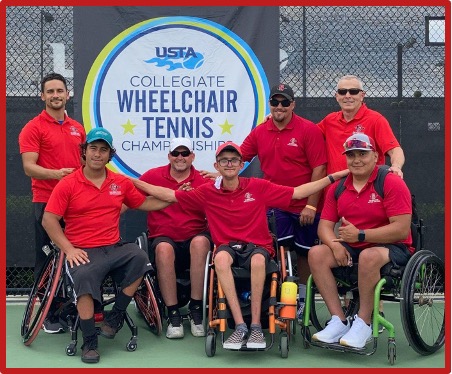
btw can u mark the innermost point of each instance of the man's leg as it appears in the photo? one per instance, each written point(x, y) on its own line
point(199, 248)
point(85, 308)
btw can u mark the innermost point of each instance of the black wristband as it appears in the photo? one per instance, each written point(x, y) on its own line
point(330, 177)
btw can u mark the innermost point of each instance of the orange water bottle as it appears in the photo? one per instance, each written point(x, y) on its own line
point(288, 301)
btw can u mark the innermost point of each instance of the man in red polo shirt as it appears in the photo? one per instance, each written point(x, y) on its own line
point(236, 208)
point(90, 201)
point(291, 152)
point(355, 117)
point(50, 149)
point(374, 231)
point(179, 238)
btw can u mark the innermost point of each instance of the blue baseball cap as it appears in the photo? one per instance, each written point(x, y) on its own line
point(99, 133)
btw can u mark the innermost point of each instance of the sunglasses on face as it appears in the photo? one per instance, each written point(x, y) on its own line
point(357, 144)
point(285, 103)
point(182, 153)
point(225, 161)
point(352, 91)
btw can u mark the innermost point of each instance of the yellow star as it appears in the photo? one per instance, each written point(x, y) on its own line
point(226, 127)
point(128, 127)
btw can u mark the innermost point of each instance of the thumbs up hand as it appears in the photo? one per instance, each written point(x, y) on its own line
point(347, 232)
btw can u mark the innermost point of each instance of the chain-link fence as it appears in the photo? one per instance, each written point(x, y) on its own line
point(397, 51)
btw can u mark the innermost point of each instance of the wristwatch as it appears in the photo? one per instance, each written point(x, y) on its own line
point(361, 236)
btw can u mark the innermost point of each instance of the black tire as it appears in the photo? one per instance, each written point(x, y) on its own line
point(41, 297)
point(284, 345)
point(319, 314)
point(148, 305)
point(211, 344)
point(423, 302)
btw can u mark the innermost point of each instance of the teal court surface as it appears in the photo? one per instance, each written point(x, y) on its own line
point(48, 351)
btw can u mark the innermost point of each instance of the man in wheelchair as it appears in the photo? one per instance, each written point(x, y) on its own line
point(180, 238)
point(90, 201)
point(375, 230)
point(236, 208)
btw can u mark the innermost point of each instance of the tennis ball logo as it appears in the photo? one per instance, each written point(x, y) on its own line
point(193, 62)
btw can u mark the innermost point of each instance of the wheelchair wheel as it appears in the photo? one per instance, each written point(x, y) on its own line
point(205, 294)
point(319, 314)
point(41, 297)
point(147, 304)
point(423, 302)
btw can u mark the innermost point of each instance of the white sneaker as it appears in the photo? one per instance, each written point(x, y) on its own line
point(175, 332)
point(197, 330)
point(360, 333)
point(333, 331)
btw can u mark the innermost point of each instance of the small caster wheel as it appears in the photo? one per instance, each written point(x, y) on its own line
point(71, 349)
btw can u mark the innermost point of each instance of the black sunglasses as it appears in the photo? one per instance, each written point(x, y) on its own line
point(285, 103)
point(182, 153)
point(353, 91)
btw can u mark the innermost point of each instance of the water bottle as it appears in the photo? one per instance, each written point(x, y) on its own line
point(245, 296)
point(289, 298)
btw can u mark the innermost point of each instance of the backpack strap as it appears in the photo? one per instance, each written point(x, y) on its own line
point(379, 182)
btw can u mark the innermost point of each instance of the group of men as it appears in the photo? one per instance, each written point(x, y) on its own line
point(189, 213)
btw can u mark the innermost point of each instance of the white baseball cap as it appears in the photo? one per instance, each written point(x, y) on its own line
point(181, 142)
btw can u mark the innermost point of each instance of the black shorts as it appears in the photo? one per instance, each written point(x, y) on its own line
point(181, 250)
point(241, 253)
point(398, 252)
point(125, 262)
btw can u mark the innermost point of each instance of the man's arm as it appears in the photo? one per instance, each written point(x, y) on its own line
point(307, 189)
point(164, 194)
point(151, 203)
point(328, 237)
point(33, 170)
point(51, 223)
point(397, 158)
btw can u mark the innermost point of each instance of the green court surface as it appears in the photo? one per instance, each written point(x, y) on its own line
point(48, 351)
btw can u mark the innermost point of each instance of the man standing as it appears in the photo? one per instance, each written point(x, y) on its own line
point(50, 149)
point(179, 238)
point(291, 151)
point(355, 117)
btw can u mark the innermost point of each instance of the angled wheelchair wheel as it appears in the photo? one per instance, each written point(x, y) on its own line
point(423, 302)
point(148, 305)
point(205, 294)
point(41, 297)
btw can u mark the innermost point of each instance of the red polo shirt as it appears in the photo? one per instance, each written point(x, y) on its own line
point(173, 221)
point(238, 215)
point(287, 156)
point(58, 147)
point(336, 130)
point(91, 214)
point(366, 209)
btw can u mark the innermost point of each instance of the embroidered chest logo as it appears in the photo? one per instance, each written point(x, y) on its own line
point(292, 143)
point(248, 198)
point(74, 131)
point(358, 129)
point(115, 189)
point(374, 198)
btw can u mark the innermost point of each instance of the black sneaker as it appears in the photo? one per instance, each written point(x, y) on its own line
point(52, 326)
point(89, 350)
point(113, 322)
point(195, 316)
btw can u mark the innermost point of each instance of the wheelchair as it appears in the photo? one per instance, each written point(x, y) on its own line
point(219, 316)
point(419, 288)
point(54, 285)
point(183, 285)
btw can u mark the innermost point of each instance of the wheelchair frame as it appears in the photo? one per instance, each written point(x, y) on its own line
point(218, 312)
point(419, 287)
point(53, 284)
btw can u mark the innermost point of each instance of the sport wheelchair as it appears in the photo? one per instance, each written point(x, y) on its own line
point(54, 285)
point(419, 287)
point(183, 285)
point(219, 316)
